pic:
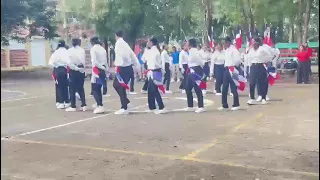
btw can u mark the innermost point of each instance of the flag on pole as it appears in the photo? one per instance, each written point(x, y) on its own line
point(238, 40)
point(249, 41)
point(120, 80)
point(267, 35)
point(238, 79)
point(211, 39)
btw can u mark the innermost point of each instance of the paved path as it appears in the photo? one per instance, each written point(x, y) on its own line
point(275, 141)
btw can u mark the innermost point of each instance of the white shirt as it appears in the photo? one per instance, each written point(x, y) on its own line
point(154, 59)
point(217, 58)
point(165, 58)
point(99, 57)
point(59, 58)
point(260, 55)
point(145, 55)
point(77, 57)
point(232, 56)
point(276, 53)
point(205, 55)
point(194, 58)
point(183, 58)
point(124, 54)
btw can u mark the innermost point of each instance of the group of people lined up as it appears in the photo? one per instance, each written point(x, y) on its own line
point(226, 66)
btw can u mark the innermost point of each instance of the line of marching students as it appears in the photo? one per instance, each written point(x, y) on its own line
point(197, 64)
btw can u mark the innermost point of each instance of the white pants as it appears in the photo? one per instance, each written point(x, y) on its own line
point(176, 74)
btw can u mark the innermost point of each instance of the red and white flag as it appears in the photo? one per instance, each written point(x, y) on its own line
point(238, 79)
point(267, 36)
point(238, 38)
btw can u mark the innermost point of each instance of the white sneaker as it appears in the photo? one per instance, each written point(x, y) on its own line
point(66, 105)
point(222, 109)
point(70, 109)
point(268, 98)
point(61, 106)
point(183, 91)
point(214, 91)
point(122, 112)
point(150, 111)
point(188, 109)
point(218, 94)
point(106, 95)
point(162, 111)
point(264, 102)
point(99, 110)
point(250, 101)
point(94, 106)
point(259, 98)
point(84, 108)
point(57, 104)
point(178, 80)
point(200, 110)
point(215, 81)
point(235, 108)
point(231, 94)
point(204, 92)
point(172, 80)
point(132, 93)
point(168, 92)
point(144, 92)
point(78, 96)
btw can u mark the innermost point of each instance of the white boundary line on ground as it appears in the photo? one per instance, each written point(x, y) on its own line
point(32, 97)
point(66, 124)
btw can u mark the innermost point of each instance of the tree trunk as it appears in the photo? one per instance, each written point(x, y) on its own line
point(307, 21)
point(299, 22)
point(251, 16)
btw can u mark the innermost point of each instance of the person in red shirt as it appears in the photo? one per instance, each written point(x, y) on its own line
point(303, 65)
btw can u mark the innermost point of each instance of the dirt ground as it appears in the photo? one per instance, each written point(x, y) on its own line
point(278, 141)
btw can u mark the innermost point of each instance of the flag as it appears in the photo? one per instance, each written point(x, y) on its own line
point(156, 77)
point(54, 77)
point(267, 36)
point(238, 79)
point(120, 80)
point(211, 39)
point(95, 76)
point(238, 40)
point(272, 74)
point(198, 79)
point(249, 41)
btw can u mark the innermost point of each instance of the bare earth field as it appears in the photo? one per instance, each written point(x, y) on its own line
point(278, 141)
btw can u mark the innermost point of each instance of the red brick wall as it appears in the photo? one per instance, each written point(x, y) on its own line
point(3, 59)
point(18, 58)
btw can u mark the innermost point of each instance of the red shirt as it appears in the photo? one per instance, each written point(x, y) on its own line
point(303, 56)
point(310, 52)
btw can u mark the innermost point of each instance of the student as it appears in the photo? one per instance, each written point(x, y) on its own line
point(195, 64)
point(183, 64)
point(155, 77)
point(141, 70)
point(99, 68)
point(217, 68)
point(232, 60)
point(59, 61)
point(175, 62)
point(77, 76)
point(124, 62)
point(205, 56)
point(303, 65)
point(258, 56)
point(166, 66)
point(144, 59)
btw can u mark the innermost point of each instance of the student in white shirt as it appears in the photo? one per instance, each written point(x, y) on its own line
point(195, 64)
point(99, 60)
point(59, 61)
point(183, 64)
point(76, 64)
point(232, 59)
point(124, 62)
point(205, 56)
point(166, 66)
point(258, 56)
point(155, 67)
point(217, 67)
point(144, 59)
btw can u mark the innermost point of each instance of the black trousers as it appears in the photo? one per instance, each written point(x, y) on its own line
point(145, 85)
point(96, 87)
point(125, 73)
point(56, 87)
point(190, 84)
point(104, 87)
point(303, 72)
point(62, 86)
point(227, 80)
point(206, 70)
point(267, 88)
point(131, 78)
point(167, 76)
point(183, 82)
point(218, 75)
point(258, 75)
point(76, 85)
point(154, 94)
